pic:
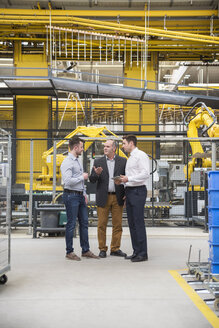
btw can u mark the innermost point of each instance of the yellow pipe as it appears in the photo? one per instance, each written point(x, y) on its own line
point(142, 29)
point(112, 13)
point(128, 28)
point(154, 48)
point(198, 25)
point(197, 88)
point(151, 43)
point(196, 37)
point(153, 32)
point(138, 28)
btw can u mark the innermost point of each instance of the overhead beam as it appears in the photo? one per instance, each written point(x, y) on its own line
point(112, 13)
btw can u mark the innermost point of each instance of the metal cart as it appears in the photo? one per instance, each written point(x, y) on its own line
point(5, 201)
point(199, 269)
point(213, 288)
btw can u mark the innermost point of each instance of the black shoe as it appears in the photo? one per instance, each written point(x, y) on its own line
point(139, 258)
point(102, 254)
point(118, 253)
point(130, 256)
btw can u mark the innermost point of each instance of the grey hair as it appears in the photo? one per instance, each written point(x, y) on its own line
point(115, 143)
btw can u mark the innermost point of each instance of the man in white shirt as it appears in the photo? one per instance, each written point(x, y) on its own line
point(136, 174)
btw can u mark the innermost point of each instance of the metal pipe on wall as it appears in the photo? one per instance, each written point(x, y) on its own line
point(54, 171)
point(31, 189)
point(214, 157)
point(8, 209)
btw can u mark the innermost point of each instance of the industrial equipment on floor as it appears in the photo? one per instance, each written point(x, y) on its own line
point(45, 179)
point(201, 160)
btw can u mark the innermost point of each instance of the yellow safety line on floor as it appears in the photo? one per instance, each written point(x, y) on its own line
point(205, 310)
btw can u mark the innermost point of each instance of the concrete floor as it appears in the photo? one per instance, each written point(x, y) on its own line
point(45, 290)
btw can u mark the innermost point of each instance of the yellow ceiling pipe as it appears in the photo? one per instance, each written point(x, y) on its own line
point(201, 25)
point(111, 26)
point(114, 25)
point(126, 28)
point(112, 13)
point(163, 33)
point(142, 29)
point(151, 48)
point(169, 44)
point(120, 27)
point(150, 31)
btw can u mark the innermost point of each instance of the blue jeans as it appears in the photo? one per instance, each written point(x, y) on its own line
point(135, 201)
point(76, 208)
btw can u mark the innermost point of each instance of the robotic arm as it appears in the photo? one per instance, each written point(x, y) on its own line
point(204, 116)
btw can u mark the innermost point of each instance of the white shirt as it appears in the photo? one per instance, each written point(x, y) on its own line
point(111, 166)
point(137, 168)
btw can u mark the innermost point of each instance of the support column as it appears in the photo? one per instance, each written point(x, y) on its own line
point(141, 112)
point(32, 114)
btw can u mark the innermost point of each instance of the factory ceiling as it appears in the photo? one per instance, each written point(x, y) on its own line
point(175, 30)
point(113, 4)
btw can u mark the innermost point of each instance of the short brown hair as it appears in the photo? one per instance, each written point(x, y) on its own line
point(132, 138)
point(74, 141)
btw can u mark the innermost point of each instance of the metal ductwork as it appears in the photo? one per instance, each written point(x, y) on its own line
point(112, 91)
point(51, 86)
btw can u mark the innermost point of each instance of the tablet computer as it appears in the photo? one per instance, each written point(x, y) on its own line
point(116, 178)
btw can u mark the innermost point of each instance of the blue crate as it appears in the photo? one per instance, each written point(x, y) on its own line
point(214, 252)
point(213, 198)
point(214, 234)
point(215, 267)
point(213, 216)
point(213, 180)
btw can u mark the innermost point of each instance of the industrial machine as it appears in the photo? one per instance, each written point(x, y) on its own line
point(204, 116)
point(45, 179)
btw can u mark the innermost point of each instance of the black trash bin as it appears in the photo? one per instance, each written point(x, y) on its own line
point(49, 218)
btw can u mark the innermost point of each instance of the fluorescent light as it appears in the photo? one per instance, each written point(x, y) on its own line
point(171, 159)
point(3, 85)
point(166, 76)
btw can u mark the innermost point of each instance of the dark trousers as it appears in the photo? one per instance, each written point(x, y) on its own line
point(135, 201)
point(76, 208)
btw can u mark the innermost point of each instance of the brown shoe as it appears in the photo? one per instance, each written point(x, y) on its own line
point(91, 255)
point(73, 256)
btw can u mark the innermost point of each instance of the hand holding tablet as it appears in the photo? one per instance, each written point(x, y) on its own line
point(116, 178)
